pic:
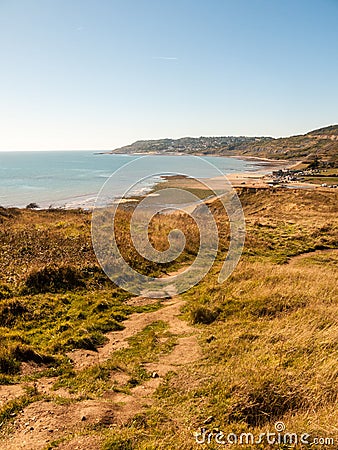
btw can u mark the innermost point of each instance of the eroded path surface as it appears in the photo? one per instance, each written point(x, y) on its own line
point(68, 422)
point(135, 323)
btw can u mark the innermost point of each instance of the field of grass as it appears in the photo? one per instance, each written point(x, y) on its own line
point(54, 297)
point(322, 180)
point(268, 336)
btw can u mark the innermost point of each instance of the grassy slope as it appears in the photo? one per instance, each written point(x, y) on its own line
point(53, 294)
point(322, 143)
point(270, 350)
point(273, 351)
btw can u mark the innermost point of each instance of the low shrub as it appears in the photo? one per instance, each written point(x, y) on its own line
point(202, 314)
point(54, 279)
point(8, 364)
point(11, 311)
point(32, 206)
point(11, 357)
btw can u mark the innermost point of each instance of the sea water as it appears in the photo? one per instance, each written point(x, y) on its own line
point(73, 179)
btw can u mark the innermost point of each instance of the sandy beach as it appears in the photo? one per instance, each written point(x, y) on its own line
point(259, 178)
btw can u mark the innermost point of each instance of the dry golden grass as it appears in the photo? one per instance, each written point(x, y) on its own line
point(272, 357)
point(269, 334)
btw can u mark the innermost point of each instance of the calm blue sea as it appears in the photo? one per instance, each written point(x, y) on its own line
point(74, 178)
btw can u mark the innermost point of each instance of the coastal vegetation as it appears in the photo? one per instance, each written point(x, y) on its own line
point(322, 143)
point(265, 341)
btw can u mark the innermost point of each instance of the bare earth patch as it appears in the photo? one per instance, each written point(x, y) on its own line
point(136, 323)
point(11, 392)
point(43, 422)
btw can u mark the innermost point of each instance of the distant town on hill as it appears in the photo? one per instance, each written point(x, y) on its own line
point(321, 143)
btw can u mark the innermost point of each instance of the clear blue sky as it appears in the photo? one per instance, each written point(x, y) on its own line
point(97, 74)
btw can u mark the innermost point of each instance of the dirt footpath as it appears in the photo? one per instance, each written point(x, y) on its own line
point(67, 422)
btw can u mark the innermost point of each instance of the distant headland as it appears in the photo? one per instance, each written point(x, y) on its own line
point(321, 143)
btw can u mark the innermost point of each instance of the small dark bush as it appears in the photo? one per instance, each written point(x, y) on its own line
point(84, 340)
point(8, 364)
point(54, 279)
point(32, 206)
point(8, 213)
point(202, 314)
point(10, 311)
point(26, 353)
point(11, 357)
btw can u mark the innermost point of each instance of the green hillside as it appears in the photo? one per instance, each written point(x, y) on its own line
point(322, 143)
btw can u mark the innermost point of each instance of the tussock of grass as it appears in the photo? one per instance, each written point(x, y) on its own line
point(120, 443)
point(201, 314)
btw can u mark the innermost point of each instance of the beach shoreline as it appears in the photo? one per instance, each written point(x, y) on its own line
point(252, 178)
point(258, 176)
